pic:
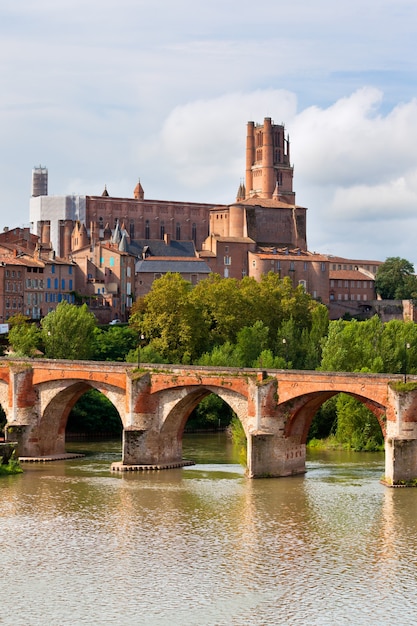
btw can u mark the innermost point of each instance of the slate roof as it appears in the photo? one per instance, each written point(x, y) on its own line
point(180, 265)
point(158, 247)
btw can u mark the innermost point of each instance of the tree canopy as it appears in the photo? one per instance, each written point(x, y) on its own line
point(68, 332)
point(223, 321)
point(395, 280)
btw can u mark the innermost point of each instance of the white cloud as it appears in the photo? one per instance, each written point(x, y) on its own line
point(104, 93)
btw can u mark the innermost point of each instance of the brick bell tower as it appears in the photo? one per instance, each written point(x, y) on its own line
point(269, 173)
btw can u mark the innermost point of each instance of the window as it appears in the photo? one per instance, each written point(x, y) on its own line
point(162, 230)
point(178, 231)
point(323, 267)
point(227, 260)
point(147, 229)
point(52, 269)
point(332, 283)
point(55, 283)
point(303, 283)
point(70, 269)
point(194, 233)
point(63, 284)
point(70, 284)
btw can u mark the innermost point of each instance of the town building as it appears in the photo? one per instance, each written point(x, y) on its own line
point(31, 284)
point(120, 245)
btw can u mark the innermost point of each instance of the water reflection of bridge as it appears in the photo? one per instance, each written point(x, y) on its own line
point(275, 407)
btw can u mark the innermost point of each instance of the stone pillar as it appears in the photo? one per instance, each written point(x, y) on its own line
point(401, 435)
point(135, 449)
point(23, 417)
point(270, 452)
point(272, 455)
point(400, 461)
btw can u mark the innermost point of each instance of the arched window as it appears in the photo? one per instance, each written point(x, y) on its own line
point(162, 229)
point(178, 231)
point(194, 233)
point(147, 229)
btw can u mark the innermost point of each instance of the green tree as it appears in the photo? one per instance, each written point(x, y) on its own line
point(220, 356)
point(211, 412)
point(24, 338)
point(356, 425)
point(94, 413)
point(68, 332)
point(251, 340)
point(395, 280)
point(223, 307)
point(114, 343)
point(172, 320)
point(145, 354)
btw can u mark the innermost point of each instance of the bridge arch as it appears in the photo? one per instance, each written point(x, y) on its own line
point(57, 398)
point(175, 405)
point(185, 400)
point(300, 412)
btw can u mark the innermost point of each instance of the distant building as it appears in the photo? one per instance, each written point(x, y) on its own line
point(31, 284)
point(263, 230)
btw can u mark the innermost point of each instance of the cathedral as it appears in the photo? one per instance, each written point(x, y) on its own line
point(262, 230)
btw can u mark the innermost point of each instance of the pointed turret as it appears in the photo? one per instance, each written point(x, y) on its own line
point(241, 192)
point(123, 243)
point(105, 193)
point(117, 234)
point(138, 192)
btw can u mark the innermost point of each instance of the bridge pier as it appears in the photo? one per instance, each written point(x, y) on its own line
point(400, 461)
point(271, 455)
point(401, 435)
point(149, 447)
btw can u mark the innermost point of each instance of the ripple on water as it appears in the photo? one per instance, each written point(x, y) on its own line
point(206, 546)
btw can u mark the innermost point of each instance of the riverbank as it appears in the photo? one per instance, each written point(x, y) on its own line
point(331, 443)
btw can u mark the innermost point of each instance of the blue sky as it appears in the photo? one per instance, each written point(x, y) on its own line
point(105, 93)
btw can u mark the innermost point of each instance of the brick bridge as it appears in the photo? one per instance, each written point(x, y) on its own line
point(276, 409)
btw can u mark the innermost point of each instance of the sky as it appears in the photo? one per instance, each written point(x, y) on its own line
point(109, 93)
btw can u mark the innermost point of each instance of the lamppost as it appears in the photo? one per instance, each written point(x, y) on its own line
point(284, 343)
point(141, 339)
point(407, 346)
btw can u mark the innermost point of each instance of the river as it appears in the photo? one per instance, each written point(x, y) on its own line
point(204, 546)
